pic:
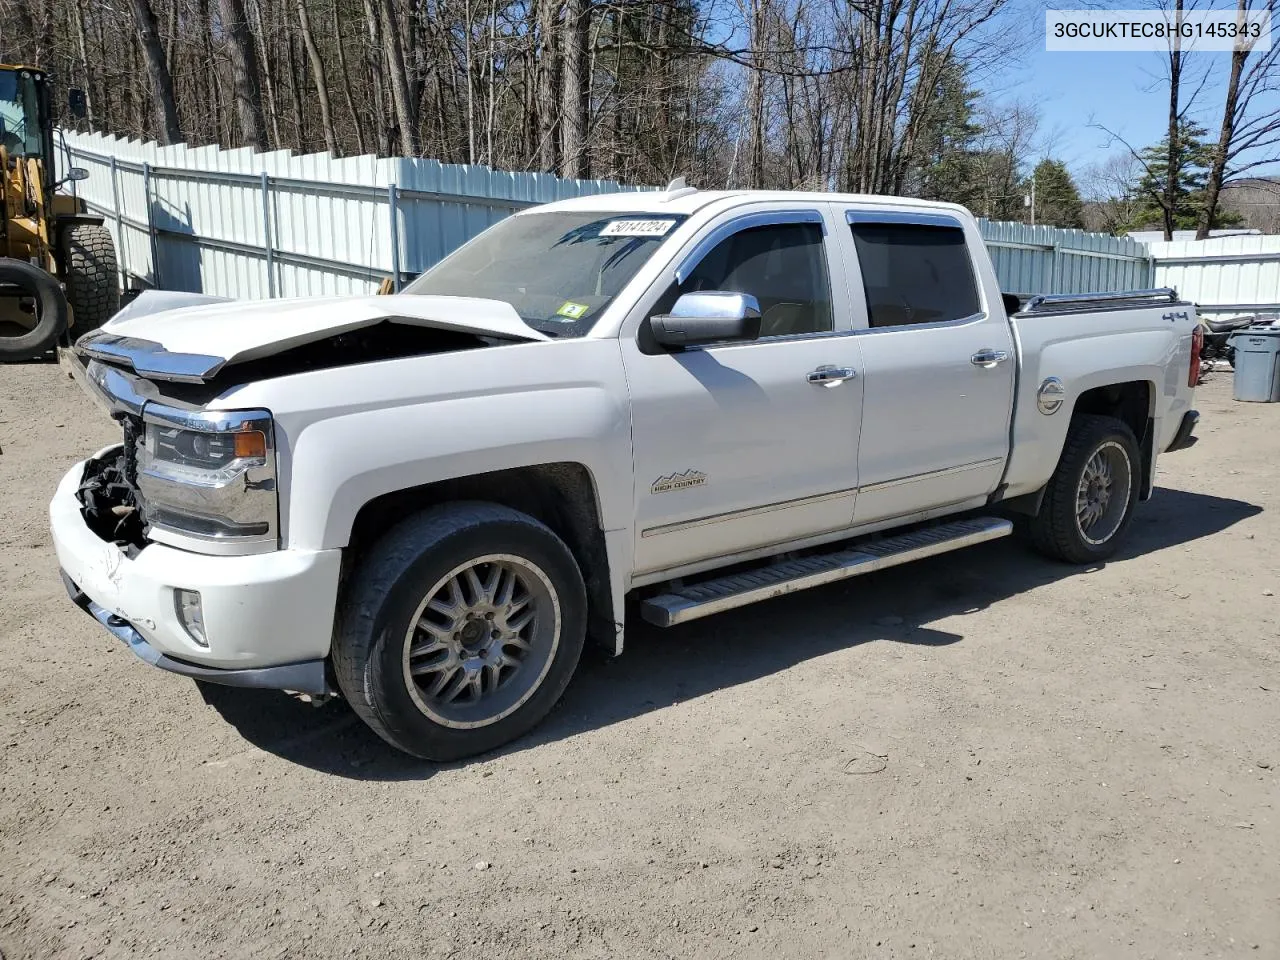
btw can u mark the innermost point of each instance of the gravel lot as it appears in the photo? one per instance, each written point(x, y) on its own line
point(981, 755)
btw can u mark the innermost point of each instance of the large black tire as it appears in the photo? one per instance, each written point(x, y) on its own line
point(374, 642)
point(93, 289)
point(1058, 531)
point(19, 278)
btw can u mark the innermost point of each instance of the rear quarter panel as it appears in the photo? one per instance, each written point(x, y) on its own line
point(1088, 350)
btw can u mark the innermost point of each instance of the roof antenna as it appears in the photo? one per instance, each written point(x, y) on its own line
point(678, 188)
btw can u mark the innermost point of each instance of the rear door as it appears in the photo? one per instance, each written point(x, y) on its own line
point(938, 361)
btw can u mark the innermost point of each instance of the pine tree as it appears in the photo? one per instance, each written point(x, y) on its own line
point(1058, 202)
point(1191, 171)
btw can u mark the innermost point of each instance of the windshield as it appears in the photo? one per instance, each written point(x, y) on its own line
point(19, 114)
point(558, 270)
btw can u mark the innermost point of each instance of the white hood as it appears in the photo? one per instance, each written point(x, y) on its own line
point(239, 330)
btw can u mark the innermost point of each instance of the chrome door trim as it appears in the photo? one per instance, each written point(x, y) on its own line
point(931, 474)
point(748, 512)
point(761, 218)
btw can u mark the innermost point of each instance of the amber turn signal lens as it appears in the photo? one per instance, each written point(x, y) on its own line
point(251, 444)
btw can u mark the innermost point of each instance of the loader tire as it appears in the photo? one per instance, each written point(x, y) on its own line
point(22, 279)
point(93, 292)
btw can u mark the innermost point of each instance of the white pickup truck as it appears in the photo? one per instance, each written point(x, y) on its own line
point(426, 502)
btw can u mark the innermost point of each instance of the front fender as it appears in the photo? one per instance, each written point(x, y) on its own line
point(342, 463)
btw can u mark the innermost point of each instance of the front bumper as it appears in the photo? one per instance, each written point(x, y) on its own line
point(268, 617)
point(1185, 436)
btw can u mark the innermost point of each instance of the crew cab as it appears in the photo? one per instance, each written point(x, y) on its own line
point(427, 502)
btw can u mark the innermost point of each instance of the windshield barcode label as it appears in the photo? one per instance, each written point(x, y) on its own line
point(637, 228)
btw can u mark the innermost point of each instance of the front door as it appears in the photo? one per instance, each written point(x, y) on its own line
point(939, 367)
point(736, 445)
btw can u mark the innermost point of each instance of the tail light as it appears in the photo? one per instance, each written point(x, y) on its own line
point(1197, 344)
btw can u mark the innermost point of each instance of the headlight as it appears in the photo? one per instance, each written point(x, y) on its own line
point(209, 475)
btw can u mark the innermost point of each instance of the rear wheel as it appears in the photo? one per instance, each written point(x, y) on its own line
point(93, 291)
point(460, 630)
point(1090, 497)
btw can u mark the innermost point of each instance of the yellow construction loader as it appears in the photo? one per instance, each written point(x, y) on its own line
point(57, 263)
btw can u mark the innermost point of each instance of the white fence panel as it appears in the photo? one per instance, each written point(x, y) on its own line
point(242, 224)
point(1226, 276)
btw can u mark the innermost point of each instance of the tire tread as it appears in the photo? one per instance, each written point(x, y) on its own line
point(1052, 531)
point(357, 642)
point(92, 289)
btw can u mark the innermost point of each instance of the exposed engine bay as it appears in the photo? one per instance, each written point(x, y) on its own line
point(111, 505)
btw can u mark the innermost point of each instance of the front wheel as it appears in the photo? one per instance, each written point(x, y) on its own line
point(1090, 497)
point(460, 630)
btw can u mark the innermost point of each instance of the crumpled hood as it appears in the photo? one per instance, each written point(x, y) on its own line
point(234, 331)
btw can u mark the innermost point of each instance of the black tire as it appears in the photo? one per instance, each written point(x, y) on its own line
point(1056, 531)
point(385, 595)
point(17, 277)
point(93, 290)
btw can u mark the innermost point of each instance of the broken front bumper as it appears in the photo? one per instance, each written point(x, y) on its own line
point(268, 618)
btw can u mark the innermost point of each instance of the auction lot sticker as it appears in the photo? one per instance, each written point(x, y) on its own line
point(637, 228)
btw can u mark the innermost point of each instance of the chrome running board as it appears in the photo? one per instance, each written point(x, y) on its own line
point(778, 579)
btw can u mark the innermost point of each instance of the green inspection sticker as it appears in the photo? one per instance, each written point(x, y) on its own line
point(574, 311)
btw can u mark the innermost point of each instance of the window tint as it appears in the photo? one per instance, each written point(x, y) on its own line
point(915, 273)
point(783, 266)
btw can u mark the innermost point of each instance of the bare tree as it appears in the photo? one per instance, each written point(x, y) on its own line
point(170, 131)
point(245, 73)
point(318, 75)
point(1250, 130)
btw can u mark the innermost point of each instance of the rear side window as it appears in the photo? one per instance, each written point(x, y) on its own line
point(915, 273)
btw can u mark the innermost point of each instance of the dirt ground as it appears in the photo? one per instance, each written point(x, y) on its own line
point(981, 755)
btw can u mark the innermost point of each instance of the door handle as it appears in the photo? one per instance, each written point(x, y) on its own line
point(988, 358)
point(829, 376)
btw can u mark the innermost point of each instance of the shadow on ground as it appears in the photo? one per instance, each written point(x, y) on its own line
point(662, 667)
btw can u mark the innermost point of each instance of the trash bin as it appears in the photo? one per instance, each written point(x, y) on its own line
point(1257, 375)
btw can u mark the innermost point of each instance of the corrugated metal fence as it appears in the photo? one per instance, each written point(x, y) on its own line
point(1226, 276)
point(240, 224)
point(1031, 260)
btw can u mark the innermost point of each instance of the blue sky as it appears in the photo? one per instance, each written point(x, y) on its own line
point(1125, 92)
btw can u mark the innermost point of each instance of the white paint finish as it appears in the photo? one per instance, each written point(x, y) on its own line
point(1088, 350)
point(158, 301)
point(347, 435)
point(926, 406)
point(259, 611)
point(240, 330)
point(746, 417)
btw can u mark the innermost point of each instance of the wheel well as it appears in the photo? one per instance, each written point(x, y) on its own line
point(1131, 403)
point(561, 495)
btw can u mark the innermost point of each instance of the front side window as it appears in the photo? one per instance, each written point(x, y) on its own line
point(915, 273)
point(784, 266)
point(559, 270)
point(20, 129)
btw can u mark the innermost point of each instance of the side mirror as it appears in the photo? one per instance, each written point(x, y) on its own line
point(708, 317)
point(77, 105)
point(76, 173)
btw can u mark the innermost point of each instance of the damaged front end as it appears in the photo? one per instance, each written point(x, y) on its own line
point(193, 478)
point(110, 500)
